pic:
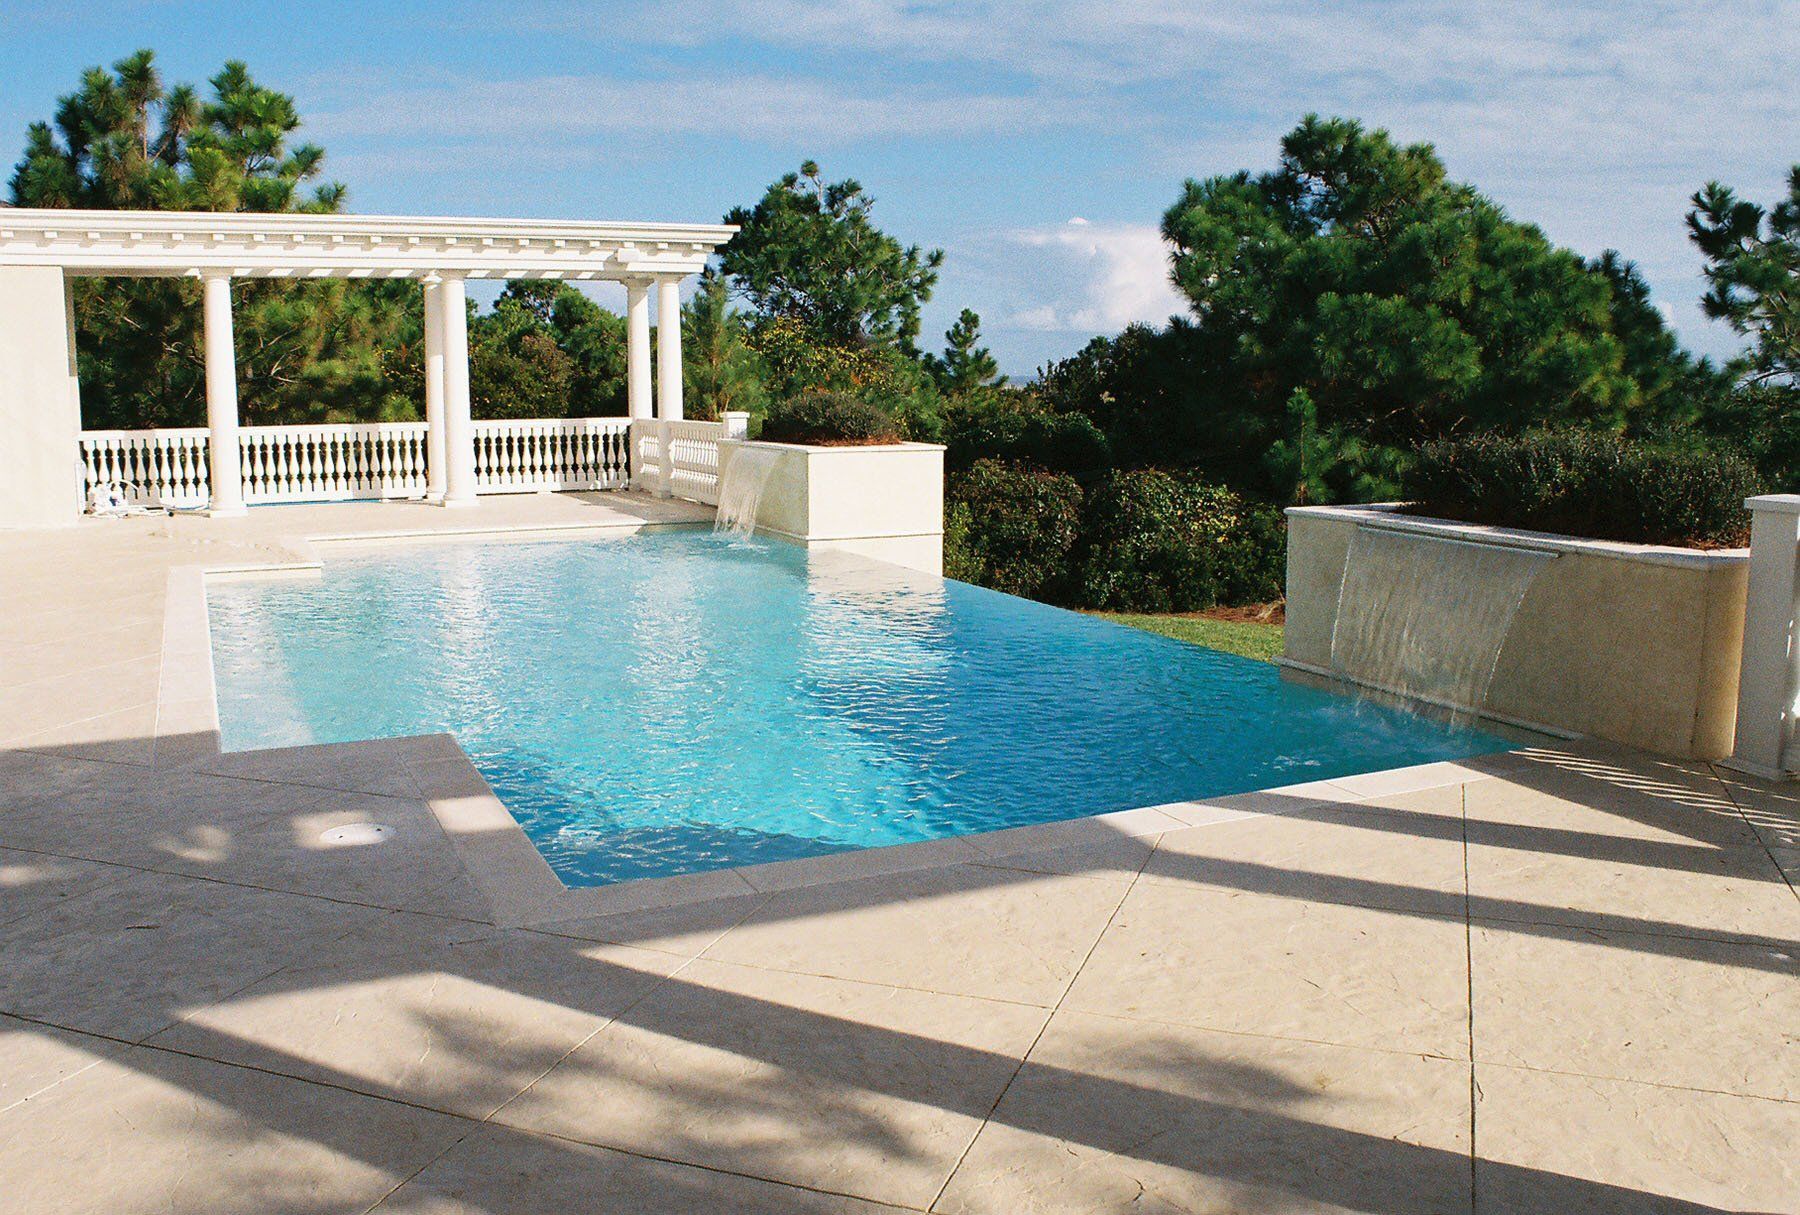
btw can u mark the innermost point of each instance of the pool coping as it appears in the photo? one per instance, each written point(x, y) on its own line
point(512, 876)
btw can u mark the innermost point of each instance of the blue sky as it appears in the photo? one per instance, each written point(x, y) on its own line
point(1038, 144)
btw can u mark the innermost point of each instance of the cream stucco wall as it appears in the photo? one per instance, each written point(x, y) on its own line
point(885, 502)
point(1636, 644)
point(40, 409)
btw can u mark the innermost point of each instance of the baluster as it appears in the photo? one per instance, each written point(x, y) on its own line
point(165, 467)
point(162, 463)
point(252, 465)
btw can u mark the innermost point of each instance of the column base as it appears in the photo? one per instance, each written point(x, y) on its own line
point(226, 512)
point(455, 503)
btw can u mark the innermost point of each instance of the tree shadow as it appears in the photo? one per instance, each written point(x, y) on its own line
point(768, 1087)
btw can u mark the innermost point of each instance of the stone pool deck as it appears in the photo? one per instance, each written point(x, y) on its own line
point(1564, 979)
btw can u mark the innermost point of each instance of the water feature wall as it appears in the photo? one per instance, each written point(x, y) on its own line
point(1424, 618)
point(1635, 643)
point(884, 500)
point(741, 484)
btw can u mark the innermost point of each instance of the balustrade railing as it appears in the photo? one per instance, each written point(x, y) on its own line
point(333, 462)
point(535, 454)
point(165, 467)
point(361, 460)
point(692, 469)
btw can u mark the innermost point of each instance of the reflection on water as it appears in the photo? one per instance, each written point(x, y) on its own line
point(681, 701)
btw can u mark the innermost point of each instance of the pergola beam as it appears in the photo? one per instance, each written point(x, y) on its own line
point(442, 253)
point(285, 245)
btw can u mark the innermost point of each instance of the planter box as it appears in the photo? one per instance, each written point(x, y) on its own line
point(1634, 643)
point(885, 502)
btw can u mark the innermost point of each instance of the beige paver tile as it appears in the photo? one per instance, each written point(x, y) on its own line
point(461, 1027)
point(1101, 846)
point(157, 1132)
point(1623, 882)
point(134, 956)
point(855, 863)
point(1665, 1010)
point(360, 767)
point(156, 819)
point(1411, 861)
point(33, 881)
point(1119, 857)
point(27, 663)
point(72, 695)
point(36, 622)
point(414, 867)
point(684, 931)
point(1607, 791)
point(125, 735)
point(1112, 1116)
point(36, 1057)
point(1773, 809)
point(28, 778)
point(1379, 787)
point(967, 930)
point(500, 1171)
point(848, 1087)
point(1549, 1142)
point(1287, 967)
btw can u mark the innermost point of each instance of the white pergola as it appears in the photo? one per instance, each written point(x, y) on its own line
point(441, 253)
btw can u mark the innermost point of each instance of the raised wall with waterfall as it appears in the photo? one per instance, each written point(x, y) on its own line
point(1633, 643)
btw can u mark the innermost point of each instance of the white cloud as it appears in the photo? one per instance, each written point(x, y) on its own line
point(1076, 277)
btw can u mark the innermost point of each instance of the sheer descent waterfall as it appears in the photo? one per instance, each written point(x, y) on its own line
point(1424, 617)
point(741, 486)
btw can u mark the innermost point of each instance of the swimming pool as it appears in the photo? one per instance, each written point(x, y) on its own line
point(675, 701)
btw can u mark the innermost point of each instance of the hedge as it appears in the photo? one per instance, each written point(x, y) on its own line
point(1581, 483)
point(829, 418)
point(1012, 529)
point(1142, 541)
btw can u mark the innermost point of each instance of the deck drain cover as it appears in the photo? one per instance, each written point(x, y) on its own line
point(355, 835)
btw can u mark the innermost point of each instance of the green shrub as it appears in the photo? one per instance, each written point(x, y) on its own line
point(829, 418)
point(993, 425)
point(1582, 483)
point(1011, 528)
point(1156, 542)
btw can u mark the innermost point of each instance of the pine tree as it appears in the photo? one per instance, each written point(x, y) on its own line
point(966, 365)
point(722, 370)
point(309, 351)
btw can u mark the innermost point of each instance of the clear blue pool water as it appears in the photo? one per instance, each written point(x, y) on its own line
point(675, 701)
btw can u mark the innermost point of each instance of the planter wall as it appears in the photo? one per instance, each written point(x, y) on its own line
point(885, 502)
point(1633, 643)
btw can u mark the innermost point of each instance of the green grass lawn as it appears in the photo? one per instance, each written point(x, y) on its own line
point(1244, 638)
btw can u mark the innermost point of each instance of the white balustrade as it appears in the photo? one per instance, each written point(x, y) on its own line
point(333, 461)
point(533, 455)
point(165, 467)
point(692, 471)
point(358, 460)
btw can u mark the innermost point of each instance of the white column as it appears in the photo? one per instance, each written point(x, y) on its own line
point(221, 398)
point(668, 349)
point(637, 347)
point(459, 430)
point(637, 373)
point(1769, 679)
point(434, 390)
